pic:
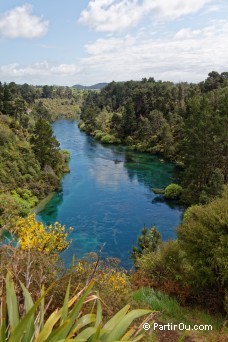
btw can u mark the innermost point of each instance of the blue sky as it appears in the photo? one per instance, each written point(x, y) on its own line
point(90, 41)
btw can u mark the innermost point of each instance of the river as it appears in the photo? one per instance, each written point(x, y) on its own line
point(107, 196)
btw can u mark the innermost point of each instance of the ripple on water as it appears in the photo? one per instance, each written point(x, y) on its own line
point(107, 196)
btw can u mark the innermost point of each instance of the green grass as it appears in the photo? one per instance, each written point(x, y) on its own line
point(171, 311)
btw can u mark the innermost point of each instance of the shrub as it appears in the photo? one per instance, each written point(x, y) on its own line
point(10, 207)
point(66, 158)
point(109, 139)
point(66, 323)
point(173, 191)
point(147, 242)
point(66, 155)
point(111, 281)
point(203, 237)
point(26, 195)
point(36, 268)
point(167, 269)
point(99, 134)
point(81, 126)
point(33, 268)
point(129, 140)
point(6, 135)
point(34, 235)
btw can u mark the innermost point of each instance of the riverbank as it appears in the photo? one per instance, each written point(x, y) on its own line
point(107, 196)
point(41, 205)
point(130, 144)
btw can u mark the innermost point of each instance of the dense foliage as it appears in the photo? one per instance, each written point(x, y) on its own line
point(48, 102)
point(203, 235)
point(66, 323)
point(31, 163)
point(34, 235)
point(173, 191)
point(147, 242)
point(194, 267)
point(186, 123)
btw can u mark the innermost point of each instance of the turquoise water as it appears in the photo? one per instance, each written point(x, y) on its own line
point(107, 196)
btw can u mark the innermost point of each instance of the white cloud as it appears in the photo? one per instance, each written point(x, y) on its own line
point(216, 29)
point(116, 15)
point(20, 23)
point(107, 177)
point(111, 15)
point(109, 44)
point(187, 33)
point(43, 69)
point(187, 56)
point(213, 8)
point(173, 9)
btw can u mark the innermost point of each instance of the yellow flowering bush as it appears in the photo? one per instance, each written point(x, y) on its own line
point(111, 282)
point(79, 268)
point(115, 280)
point(34, 235)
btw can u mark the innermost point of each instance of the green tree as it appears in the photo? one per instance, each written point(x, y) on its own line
point(19, 108)
point(8, 107)
point(68, 93)
point(41, 111)
point(47, 92)
point(214, 188)
point(147, 242)
point(44, 144)
point(129, 119)
point(214, 81)
point(203, 146)
point(28, 93)
point(203, 237)
point(167, 269)
point(167, 140)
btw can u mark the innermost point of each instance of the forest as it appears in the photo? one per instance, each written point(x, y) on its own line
point(180, 280)
point(185, 123)
point(29, 152)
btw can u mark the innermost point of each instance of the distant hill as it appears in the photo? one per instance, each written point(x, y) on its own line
point(95, 86)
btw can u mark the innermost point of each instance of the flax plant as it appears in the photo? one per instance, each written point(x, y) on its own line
point(67, 323)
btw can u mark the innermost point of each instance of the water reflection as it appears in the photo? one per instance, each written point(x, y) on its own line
point(107, 175)
point(148, 171)
point(107, 197)
point(128, 165)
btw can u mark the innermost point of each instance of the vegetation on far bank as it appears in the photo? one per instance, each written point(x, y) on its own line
point(31, 162)
point(186, 123)
point(185, 280)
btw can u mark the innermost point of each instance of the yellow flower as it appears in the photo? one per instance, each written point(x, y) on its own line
point(34, 235)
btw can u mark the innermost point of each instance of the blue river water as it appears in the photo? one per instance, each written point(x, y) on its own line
point(107, 197)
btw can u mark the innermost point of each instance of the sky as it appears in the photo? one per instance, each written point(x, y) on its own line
point(90, 41)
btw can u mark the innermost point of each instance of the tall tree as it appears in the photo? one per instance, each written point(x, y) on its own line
point(44, 144)
point(202, 147)
point(129, 119)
